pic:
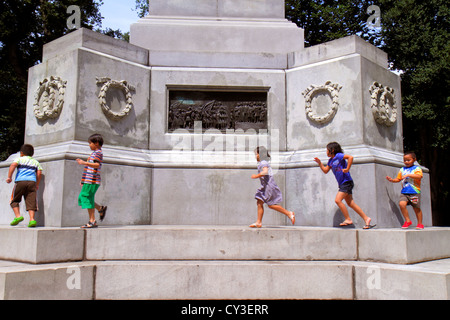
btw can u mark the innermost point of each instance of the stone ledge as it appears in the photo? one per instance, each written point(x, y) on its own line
point(421, 281)
point(220, 243)
point(336, 49)
point(223, 280)
point(61, 281)
point(404, 246)
point(41, 245)
point(195, 280)
point(153, 242)
point(244, 60)
point(85, 38)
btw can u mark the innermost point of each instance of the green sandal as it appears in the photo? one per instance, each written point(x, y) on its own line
point(32, 224)
point(16, 221)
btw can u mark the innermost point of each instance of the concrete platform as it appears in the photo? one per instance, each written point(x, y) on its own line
point(223, 280)
point(41, 245)
point(198, 280)
point(421, 281)
point(220, 243)
point(404, 246)
point(59, 281)
point(50, 245)
point(236, 262)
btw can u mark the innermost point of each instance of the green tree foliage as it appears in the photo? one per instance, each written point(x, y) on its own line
point(143, 7)
point(328, 20)
point(25, 26)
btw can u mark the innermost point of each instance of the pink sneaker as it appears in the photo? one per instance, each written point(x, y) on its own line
point(406, 225)
point(420, 226)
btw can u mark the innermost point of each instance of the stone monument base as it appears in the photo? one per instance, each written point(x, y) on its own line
point(184, 105)
point(153, 174)
point(224, 262)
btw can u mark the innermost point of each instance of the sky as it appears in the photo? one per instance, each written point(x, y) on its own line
point(118, 14)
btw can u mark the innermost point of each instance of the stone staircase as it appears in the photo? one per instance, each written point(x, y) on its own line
point(223, 262)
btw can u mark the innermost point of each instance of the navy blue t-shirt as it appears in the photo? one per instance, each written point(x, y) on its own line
point(337, 164)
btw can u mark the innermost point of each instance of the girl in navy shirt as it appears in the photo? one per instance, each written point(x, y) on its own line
point(341, 169)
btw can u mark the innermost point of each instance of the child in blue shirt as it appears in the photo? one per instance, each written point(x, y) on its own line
point(410, 176)
point(27, 180)
point(341, 169)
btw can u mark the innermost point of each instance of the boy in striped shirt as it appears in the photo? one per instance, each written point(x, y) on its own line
point(90, 181)
point(28, 176)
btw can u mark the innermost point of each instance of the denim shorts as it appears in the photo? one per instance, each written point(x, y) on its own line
point(347, 187)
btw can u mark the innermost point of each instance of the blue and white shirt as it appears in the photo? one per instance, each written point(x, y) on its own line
point(27, 168)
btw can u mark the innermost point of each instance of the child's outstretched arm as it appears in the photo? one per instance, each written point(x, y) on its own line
point(12, 167)
point(409, 175)
point(396, 180)
point(393, 180)
point(325, 169)
point(94, 165)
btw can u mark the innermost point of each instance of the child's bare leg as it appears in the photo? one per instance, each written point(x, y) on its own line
point(404, 210)
point(258, 222)
point(99, 207)
point(339, 197)
point(418, 212)
point(16, 211)
point(352, 204)
point(91, 214)
point(31, 212)
point(282, 210)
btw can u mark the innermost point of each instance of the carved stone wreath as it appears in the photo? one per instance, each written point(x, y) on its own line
point(107, 83)
point(383, 104)
point(309, 94)
point(49, 98)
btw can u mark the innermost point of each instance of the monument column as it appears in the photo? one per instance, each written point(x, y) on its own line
point(217, 26)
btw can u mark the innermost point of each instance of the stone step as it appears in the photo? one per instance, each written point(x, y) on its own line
point(404, 246)
point(59, 281)
point(51, 245)
point(211, 280)
point(224, 280)
point(220, 243)
point(422, 281)
point(41, 245)
point(223, 262)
